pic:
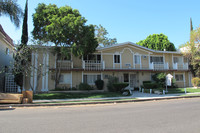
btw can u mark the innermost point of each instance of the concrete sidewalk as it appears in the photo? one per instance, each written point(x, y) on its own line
point(136, 97)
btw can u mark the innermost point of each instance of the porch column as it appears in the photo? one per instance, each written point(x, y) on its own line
point(35, 74)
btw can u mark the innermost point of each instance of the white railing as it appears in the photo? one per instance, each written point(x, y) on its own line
point(93, 65)
point(183, 66)
point(65, 64)
point(158, 66)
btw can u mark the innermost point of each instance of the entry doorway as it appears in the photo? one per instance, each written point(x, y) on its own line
point(133, 80)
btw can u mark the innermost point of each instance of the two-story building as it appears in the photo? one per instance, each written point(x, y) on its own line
point(130, 62)
point(6, 56)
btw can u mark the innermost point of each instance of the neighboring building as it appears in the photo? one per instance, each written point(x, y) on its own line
point(129, 62)
point(6, 56)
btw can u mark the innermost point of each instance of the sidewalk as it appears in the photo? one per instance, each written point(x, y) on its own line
point(136, 97)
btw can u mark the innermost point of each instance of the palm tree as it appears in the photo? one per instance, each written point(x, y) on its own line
point(11, 9)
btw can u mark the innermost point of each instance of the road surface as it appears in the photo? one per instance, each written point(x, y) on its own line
point(170, 116)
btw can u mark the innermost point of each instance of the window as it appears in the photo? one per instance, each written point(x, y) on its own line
point(175, 59)
point(179, 77)
point(90, 79)
point(7, 51)
point(67, 56)
point(137, 59)
point(126, 77)
point(156, 60)
point(94, 57)
point(178, 60)
point(116, 58)
point(65, 79)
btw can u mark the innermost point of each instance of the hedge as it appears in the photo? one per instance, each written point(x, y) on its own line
point(119, 86)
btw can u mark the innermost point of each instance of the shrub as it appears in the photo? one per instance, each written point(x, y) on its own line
point(119, 86)
point(111, 81)
point(61, 89)
point(99, 84)
point(159, 78)
point(150, 85)
point(146, 82)
point(73, 88)
point(196, 82)
point(84, 86)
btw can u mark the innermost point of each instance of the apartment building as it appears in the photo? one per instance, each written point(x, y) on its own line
point(6, 56)
point(130, 62)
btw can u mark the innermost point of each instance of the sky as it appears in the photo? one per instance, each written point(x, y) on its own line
point(126, 20)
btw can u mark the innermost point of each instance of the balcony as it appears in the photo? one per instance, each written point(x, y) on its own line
point(65, 64)
point(159, 66)
point(182, 66)
point(93, 65)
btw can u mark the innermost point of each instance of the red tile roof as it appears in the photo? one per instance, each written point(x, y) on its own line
point(7, 37)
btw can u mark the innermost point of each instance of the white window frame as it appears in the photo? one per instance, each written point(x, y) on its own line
point(154, 56)
point(137, 59)
point(119, 61)
point(180, 59)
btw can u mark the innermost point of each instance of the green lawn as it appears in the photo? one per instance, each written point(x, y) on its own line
point(182, 90)
point(75, 95)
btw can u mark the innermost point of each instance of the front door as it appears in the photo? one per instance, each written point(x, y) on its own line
point(132, 80)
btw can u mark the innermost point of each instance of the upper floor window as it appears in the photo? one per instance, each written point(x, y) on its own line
point(156, 59)
point(66, 56)
point(177, 60)
point(7, 51)
point(93, 57)
point(137, 59)
point(116, 58)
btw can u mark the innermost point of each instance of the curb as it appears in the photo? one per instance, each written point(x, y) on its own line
point(90, 103)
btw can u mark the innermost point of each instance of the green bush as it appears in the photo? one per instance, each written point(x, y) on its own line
point(60, 89)
point(84, 86)
point(146, 82)
point(159, 78)
point(111, 81)
point(196, 82)
point(99, 84)
point(150, 85)
point(119, 86)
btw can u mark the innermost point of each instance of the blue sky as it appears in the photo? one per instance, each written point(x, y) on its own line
point(126, 20)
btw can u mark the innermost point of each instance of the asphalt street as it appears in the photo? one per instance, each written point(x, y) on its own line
point(169, 116)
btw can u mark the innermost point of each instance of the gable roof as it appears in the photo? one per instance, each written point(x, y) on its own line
point(7, 38)
point(136, 45)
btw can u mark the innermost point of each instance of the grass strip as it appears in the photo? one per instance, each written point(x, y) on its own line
point(88, 101)
point(60, 95)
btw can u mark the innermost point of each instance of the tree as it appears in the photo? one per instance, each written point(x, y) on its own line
point(11, 9)
point(66, 28)
point(192, 52)
point(24, 38)
point(22, 51)
point(102, 36)
point(157, 42)
point(24, 66)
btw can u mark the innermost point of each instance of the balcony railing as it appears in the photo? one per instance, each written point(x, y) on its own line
point(183, 66)
point(159, 66)
point(65, 64)
point(93, 65)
